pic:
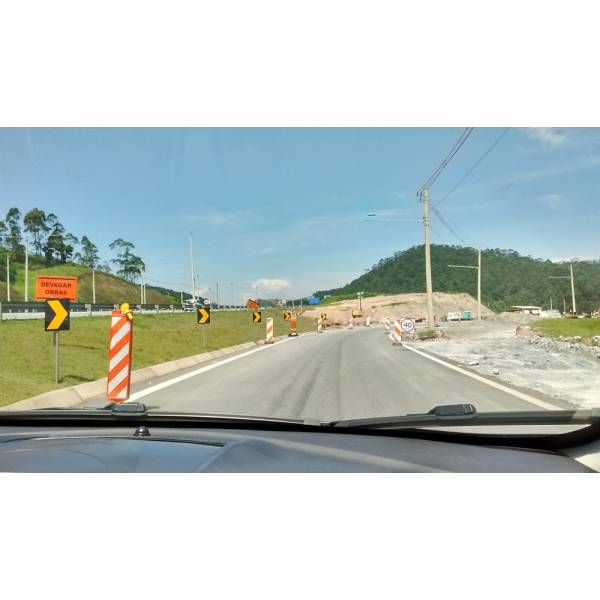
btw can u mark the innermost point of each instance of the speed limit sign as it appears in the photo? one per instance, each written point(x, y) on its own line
point(407, 325)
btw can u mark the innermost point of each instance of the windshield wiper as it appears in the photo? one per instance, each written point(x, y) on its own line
point(452, 415)
point(138, 412)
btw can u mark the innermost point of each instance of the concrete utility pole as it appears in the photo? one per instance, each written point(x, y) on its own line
point(425, 201)
point(572, 290)
point(93, 285)
point(8, 277)
point(478, 267)
point(217, 286)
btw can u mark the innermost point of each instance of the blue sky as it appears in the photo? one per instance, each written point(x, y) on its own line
point(287, 207)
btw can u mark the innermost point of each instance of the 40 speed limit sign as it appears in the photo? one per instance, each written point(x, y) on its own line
point(407, 325)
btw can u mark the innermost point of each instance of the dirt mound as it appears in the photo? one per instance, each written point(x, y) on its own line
point(397, 306)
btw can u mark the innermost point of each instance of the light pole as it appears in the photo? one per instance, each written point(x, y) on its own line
point(478, 267)
point(8, 277)
point(93, 285)
point(572, 288)
point(26, 271)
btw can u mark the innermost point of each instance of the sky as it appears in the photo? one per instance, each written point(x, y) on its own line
point(283, 212)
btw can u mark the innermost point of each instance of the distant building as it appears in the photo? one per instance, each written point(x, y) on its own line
point(527, 310)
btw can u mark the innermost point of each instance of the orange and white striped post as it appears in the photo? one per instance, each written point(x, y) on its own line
point(319, 325)
point(387, 326)
point(350, 324)
point(119, 354)
point(293, 327)
point(269, 338)
point(396, 334)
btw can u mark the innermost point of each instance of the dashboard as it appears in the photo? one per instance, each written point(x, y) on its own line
point(62, 449)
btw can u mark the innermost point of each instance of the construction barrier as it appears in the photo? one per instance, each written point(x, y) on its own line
point(319, 325)
point(119, 354)
point(396, 334)
point(293, 328)
point(387, 326)
point(269, 339)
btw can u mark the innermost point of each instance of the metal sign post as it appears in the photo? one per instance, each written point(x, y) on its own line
point(56, 356)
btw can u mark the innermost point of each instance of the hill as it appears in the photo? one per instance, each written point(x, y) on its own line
point(109, 288)
point(507, 278)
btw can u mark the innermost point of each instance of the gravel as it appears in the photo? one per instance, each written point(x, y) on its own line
point(561, 368)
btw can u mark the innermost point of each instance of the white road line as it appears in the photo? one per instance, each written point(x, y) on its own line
point(498, 386)
point(161, 386)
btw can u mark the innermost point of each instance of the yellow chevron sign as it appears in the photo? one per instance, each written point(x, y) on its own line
point(203, 315)
point(287, 315)
point(57, 315)
point(257, 316)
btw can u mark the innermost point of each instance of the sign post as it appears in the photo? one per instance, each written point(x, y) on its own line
point(57, 318)
point(203, 318)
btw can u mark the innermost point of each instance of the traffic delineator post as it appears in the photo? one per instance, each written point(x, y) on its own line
point(269, 338)
point(350, 324)
point(319, 325)
point(387, 326)
point(368, 323)
point(293, 327)
point(120, 354)
point(396, 334)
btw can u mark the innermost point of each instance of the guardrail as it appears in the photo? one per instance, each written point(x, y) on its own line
point(35, 310)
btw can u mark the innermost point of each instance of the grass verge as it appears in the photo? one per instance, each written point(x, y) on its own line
point(586, 328)
point(27, 351)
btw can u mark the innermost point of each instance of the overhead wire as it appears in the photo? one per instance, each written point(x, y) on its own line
point(457, 146)
point(479, 161)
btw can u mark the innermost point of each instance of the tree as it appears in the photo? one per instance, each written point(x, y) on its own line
point(59, 244)
point(14, 236)
point(3, 232)
point(89, 256)
point(35, 224)
point(129, 265)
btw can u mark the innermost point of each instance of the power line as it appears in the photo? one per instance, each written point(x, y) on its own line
point(449, 227)
point(457, 146)
point(496, 142)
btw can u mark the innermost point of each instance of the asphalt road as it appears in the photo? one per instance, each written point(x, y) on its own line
point(335, 375)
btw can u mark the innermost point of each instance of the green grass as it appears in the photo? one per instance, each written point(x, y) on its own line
point(27, 352)
point(586, 328)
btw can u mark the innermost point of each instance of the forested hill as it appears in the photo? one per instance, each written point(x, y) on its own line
point(507, 277)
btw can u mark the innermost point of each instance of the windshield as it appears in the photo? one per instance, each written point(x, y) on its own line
point(310, 274)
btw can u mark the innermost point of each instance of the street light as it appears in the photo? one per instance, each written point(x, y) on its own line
point(572, 287)
point(478, 267)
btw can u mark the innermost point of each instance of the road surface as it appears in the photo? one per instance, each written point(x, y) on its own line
point(340, 374)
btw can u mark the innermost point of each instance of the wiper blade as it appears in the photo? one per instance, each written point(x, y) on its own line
point(465, 414)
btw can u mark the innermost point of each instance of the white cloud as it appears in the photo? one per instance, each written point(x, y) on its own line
point(219, 218)
point(569, 259)
point(553, 201)
point(271, 285)
point(547, 135)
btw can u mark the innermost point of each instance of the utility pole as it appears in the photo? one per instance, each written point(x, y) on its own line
point(182, 298)
point(478, 267)
point(93, 285)
point(8, 277)
point(572, 290)
point(141, 286)
point(192, 269)
point(232, 294)
point(26, 271)
point(550, 302)
point(217, 286)
point(425, 201)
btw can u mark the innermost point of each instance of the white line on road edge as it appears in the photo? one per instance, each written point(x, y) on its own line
point(493, 384)
point(161, 386)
